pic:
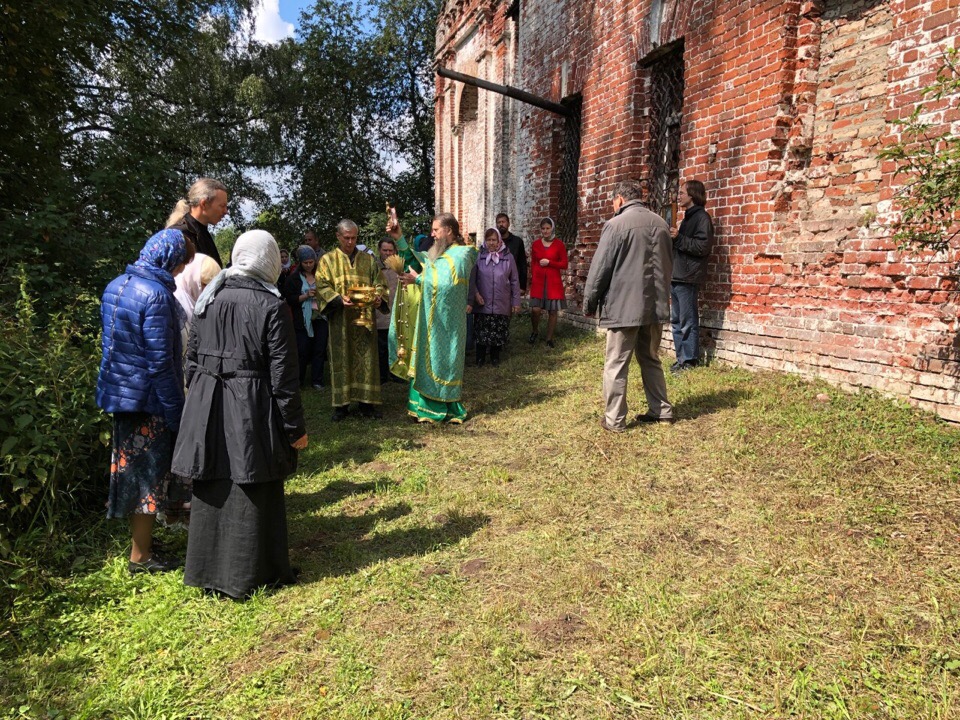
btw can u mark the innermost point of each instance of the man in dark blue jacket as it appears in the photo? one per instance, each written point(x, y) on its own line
point(692, 242)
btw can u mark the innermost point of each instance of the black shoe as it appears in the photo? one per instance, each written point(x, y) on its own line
point(550, 344)
point(678, 368)
point(156, 563)
point(650, 419)
point(370, 411)
point(340, 413)
point(533, 338)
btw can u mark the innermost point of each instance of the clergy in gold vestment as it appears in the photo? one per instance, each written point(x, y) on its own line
point(354, 371)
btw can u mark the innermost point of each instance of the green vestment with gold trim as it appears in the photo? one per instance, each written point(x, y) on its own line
point(354, 365)
point(438, 350)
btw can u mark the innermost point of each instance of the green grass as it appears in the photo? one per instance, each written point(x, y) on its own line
point(768, 556)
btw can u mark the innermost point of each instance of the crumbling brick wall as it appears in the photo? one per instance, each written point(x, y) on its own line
point(786, 105)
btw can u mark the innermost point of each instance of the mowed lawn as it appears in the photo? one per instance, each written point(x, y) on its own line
point(771, 555)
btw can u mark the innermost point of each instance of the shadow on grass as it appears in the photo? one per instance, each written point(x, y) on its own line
point(333, 492)
point(710, 403)
point(343, 545)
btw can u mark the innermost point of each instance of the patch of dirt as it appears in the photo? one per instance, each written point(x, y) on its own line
point(473, 567)
point(563, 629)
point(433, 571)
point(362, 506)
point(377, 467)
point(441, 519)
point(314, 542)
point(274, 646)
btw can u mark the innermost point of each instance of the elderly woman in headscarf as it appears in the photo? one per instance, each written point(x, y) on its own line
point(243, 425)
point(495, 294)
point(141, 384)
point(313, 332)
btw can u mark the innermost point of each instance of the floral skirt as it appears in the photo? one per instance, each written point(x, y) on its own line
point(491, 329)
point(140, 479)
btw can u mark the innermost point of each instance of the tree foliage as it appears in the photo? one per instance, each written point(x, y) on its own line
point(111, 109)
point(928, 159)
point(365, 132)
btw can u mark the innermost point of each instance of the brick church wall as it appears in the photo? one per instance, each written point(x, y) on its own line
point(786, 105)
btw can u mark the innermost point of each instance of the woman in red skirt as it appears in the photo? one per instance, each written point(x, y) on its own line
point(548, 257)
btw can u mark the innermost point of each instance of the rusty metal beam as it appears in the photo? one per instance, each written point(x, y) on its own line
point(516, 94)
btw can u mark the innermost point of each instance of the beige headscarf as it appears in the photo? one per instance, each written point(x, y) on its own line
point(255, 255)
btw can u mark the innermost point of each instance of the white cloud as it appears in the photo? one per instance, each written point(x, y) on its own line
point(268, 26)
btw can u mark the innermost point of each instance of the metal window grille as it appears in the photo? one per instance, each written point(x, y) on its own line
point(569, 174)
point(666, 112)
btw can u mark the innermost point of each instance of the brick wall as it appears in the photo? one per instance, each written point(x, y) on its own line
point(786, 105)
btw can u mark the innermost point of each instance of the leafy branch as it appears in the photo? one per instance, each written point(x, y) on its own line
point(929, 201)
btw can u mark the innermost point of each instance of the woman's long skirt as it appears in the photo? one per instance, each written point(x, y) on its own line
point(140, 479)
point(238, 538)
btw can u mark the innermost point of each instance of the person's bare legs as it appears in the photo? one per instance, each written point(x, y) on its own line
point(141, 528)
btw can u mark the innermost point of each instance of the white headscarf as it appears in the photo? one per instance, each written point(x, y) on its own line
point(189, 284)
point(255, 255)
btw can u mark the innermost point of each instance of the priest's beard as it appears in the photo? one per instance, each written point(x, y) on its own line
point(438, 248)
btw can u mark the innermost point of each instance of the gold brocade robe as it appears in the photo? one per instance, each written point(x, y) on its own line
point(354, 365)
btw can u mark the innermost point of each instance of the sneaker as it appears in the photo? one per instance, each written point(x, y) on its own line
point(340, 413)
point(156, 563)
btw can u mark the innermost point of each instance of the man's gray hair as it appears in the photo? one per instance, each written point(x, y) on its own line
point(629, 190)
point(346, 225)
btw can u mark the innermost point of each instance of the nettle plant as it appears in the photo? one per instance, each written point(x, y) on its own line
point(928, 159)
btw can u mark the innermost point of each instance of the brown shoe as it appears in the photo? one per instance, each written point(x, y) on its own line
point(610, 428)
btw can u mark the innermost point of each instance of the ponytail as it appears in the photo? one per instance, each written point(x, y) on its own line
point(179, 213)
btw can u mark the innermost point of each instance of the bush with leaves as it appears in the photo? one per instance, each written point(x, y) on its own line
point(52, 435)
point(928, 158)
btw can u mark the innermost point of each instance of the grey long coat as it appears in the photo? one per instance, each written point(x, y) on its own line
point(629, 278)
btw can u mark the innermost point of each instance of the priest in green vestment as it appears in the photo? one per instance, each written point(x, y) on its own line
point(354, 364)
point(438, 346)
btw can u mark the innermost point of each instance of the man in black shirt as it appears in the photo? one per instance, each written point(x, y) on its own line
point(516, 247)
point(206, 204)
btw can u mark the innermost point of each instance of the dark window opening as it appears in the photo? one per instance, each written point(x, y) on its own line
point(666, 113)
point(569, 173)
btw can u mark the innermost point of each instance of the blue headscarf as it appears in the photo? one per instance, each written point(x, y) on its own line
point(161, 255)
point(305, 252)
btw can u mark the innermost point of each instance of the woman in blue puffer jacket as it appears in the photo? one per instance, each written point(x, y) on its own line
point(141, 384)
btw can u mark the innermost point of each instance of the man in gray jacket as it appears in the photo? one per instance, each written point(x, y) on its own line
point(629, 284)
